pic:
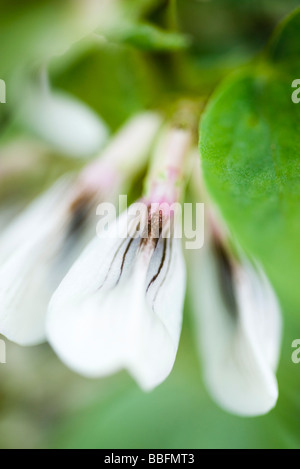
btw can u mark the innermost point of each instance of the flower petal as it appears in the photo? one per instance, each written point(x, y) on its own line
point(30, 222)
point(101, 262)
point(64, 122)
point(239, 342)
point(25, 291)
point(99, 324)
point(36, 252)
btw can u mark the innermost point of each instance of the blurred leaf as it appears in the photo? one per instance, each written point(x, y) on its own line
point(284, 48)
point(150, 37)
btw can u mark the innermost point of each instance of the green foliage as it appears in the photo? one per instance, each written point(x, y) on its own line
point(251, 160)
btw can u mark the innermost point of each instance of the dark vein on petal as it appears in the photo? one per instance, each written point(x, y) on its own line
point(166, 275)
point(160, 266)
point(124, 259)
point(124, 256)
point(112, 262)
point(225, 278)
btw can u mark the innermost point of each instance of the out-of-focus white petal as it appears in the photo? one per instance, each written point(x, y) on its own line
point(131, 146)
point(239, 324)
point(127, 153)
point(7, 214)
point(36, 252)
point(64, 122)
point(25, 291)
point(110, 313)
point(28, 224)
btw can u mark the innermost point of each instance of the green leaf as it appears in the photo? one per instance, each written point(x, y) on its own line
point(251, 161)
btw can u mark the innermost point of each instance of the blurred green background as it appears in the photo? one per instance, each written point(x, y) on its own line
point(144, 54)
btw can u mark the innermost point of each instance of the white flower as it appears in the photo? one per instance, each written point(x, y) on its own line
point(239, 325)
point(121, 306)
point(40, 246)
